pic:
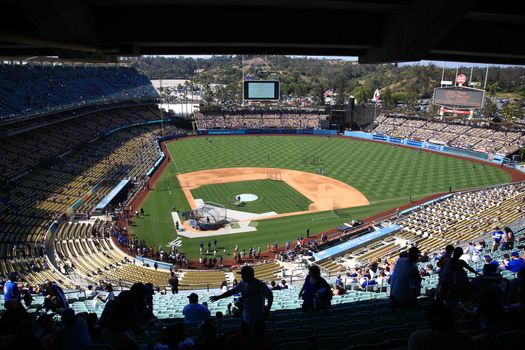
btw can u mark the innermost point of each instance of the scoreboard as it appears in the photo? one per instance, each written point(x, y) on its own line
point(459, 97)
point(261, 90)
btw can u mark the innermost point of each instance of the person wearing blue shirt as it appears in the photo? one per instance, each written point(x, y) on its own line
point(316, 292)
point(11, 291)
point(516, 263)
point(497, 235)
point(339, 281)
point(195, 313)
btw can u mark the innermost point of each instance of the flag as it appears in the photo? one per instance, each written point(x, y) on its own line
point(377, 96)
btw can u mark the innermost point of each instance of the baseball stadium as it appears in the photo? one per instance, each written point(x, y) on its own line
point(240, 207)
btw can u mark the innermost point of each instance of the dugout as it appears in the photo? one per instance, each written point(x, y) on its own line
point(117, 195)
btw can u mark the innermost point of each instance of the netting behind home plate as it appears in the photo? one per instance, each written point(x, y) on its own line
point(210, 212)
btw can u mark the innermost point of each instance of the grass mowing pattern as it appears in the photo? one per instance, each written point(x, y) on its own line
point(385, 174)
point(379, 171)
point(273, 196)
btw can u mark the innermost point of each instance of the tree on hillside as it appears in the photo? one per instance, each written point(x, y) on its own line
point(511, 111)
point(387, 99)
point(341, 96)
point(363, 94)
point(318, 94)
point(489, 108)
point(493, 89)
point(207, 97)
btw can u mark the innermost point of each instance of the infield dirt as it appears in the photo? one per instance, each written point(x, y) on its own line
point(324, 192)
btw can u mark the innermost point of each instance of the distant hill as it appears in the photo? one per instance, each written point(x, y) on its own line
point(309, 77)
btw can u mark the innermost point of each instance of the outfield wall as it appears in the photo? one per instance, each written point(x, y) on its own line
point(494, 158)
point(266, 132)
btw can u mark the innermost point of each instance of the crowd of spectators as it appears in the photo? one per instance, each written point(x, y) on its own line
point(32, 89)
point(240, 119)
point(457, 133)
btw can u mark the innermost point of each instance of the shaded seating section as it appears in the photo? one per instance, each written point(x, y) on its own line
point(21, 153)
point(87, 250)
point(30, 204)
point(32, 89)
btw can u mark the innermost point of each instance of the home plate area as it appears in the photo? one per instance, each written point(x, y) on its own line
point(240, 219)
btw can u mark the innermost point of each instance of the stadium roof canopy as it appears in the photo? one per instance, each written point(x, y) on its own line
point(375, 30)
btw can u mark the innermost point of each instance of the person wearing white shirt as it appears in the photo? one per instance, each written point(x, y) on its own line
point(254, 293)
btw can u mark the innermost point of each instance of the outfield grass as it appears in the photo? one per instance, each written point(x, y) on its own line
point(387, 175)
point(379, 171)
point(274, 196)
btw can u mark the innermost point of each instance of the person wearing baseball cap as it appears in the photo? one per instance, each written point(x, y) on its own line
point(195, 313)
point(254, 293)
point(516, 263)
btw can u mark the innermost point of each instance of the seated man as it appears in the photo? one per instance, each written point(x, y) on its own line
point(194, 313)
point(274, 286)
point(516, 263)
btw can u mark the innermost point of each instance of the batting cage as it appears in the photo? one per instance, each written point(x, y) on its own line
point(209, 216)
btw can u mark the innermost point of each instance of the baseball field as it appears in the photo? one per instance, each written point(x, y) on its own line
point(306, 182)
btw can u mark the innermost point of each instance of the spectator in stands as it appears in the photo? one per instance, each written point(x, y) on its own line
point(11, 290)
point(174, 337)
point(516, 284)
point(453, 278)
point(12, 317)
point(74, 334)
point(274, 286)
point(253, 292)
point(315, 292)
point(490, 277)
point(441, 334)
point(173, 282)
point(128, 312)
point(516, 263)
point(195, 313)
point(339, 281)
point(488, 260)
point(208, 337)
point(90, 293)
point(447, 255)
point(489, 311)
point(54, 298)
point(405, 282)
point(507, 242)
point(224, 286)
point(283, 284)
point(497, 236)
point(110, 295)
point(25, 337)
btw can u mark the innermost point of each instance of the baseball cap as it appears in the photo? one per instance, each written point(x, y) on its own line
point(515, 254)
point(488, 257)
point(193, 297)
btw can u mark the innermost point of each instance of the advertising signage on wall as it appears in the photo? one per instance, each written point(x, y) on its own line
point(459, 97)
